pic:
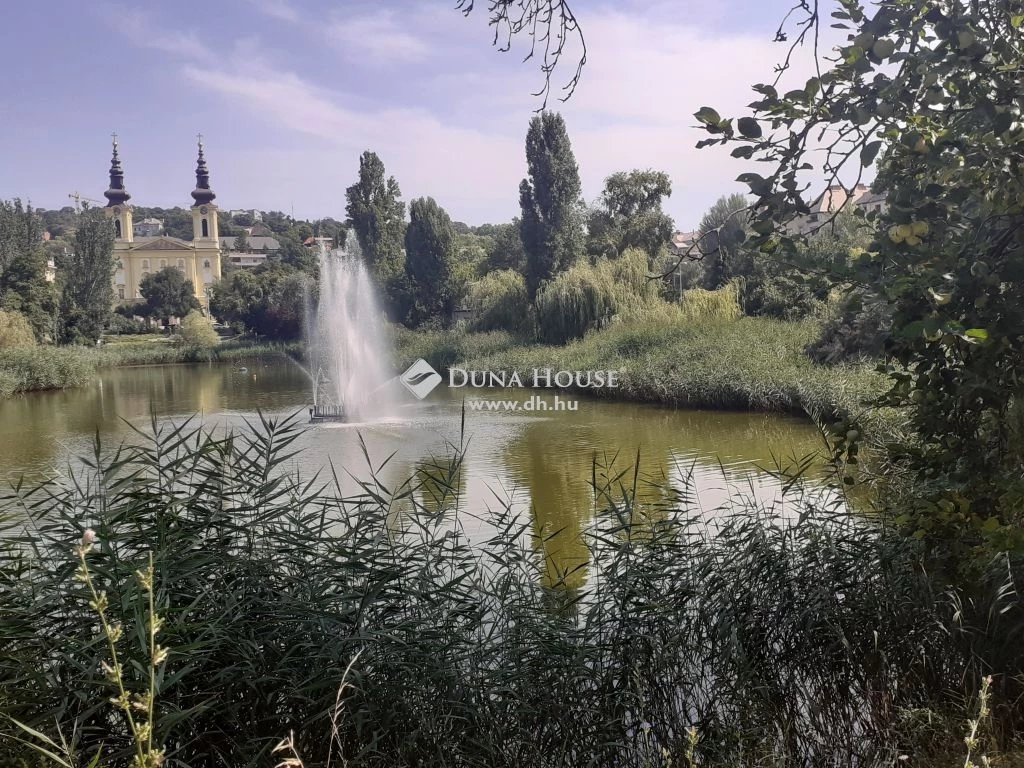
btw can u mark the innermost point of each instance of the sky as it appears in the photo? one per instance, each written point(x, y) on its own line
point(288, 93)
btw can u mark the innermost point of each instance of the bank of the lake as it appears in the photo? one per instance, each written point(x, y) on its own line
point(751, 363)
point(38, 368)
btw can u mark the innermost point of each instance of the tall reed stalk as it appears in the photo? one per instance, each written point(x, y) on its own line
point(689, 637)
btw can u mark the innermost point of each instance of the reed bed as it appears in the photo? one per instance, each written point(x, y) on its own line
point(821, 641)
point(45, 367)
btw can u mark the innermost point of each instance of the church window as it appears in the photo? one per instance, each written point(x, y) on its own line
point(145, 265)
point(181, 264)
point(163, 263)
point(206, 264)
point(120, 291)
point(206, 228)
point(117, 228)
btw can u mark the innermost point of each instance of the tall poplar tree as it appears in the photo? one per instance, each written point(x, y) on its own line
point(430, 249)
point(378, 218)
point(550, 198)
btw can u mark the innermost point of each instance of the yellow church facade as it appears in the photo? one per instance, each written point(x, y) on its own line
point(136, 257)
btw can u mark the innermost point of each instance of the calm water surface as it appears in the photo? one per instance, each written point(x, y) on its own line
point(541, 463)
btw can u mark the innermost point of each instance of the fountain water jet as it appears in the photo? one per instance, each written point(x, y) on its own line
point(347, 343)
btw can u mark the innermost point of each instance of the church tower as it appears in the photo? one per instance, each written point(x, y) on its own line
point(205, 233)
point(117, 200)
point(204, 212)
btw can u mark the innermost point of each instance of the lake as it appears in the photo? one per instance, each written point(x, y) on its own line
point(540, 463)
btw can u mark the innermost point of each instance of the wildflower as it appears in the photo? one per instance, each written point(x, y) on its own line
point(88, 537)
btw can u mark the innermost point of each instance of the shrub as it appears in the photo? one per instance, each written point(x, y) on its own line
point(500, 302)
point(720, 304)
point(15, 330)
point(197, 331)
point(124, 325)
point(858, 332)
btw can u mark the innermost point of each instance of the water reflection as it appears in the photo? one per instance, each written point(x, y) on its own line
point(543, 464)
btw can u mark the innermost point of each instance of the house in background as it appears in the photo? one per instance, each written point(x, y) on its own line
point(257, 243)
point(834, 197)
point(247, 260)
point(148, 228)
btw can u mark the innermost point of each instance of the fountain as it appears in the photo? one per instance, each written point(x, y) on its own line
point(348, 352)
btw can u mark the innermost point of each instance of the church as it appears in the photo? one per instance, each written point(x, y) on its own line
point(136, 257)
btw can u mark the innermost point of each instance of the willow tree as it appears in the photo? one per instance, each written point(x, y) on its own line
point(932, 90)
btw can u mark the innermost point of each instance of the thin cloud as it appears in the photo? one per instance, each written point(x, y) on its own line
point(142, 29)
point(382, 36)
point(277, 9)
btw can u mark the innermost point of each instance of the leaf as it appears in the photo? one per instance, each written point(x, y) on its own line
point(1016, 21)
point(883, 48)
point(708, 116)
point(869, 152)
point(977, 333)
point(749, 127)
point(746, 152)
point(1002, 123)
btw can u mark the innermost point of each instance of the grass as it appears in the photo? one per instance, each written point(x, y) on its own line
point(45, 367)
point(822, 642)
point(746, 363)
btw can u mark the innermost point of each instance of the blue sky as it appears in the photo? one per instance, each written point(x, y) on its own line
point(287, 93)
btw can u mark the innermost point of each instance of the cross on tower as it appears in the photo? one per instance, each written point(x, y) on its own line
point(114, 137)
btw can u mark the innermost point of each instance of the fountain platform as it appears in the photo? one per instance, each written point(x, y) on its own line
point(321, 413)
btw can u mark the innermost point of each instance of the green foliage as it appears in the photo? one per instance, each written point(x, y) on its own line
point(241, 243)
point(723, 232)
point(629, 215)
point(922, 88)
point(506, 250)
point(500, 302)
point(378, 217)
point(587, 296)
point(269, 300)
point(15, 331)
point(168, 294)
point(551, 227)
point(23, 287)
point(197, 331)
point(430, 261)
point(720, 304)
point(858, 332)
point(87, 293)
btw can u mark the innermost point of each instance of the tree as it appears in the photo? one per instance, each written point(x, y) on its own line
point(932, 90)
point(197, 331)
point(23, 286)
point(506, 250)
point(269, 300)
point(241, 243)
point(722, 233)
point(168, 294)
point(378, 217)
point(87, 293)
point(629, 215)
point(430, 260)
point(552, 211)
